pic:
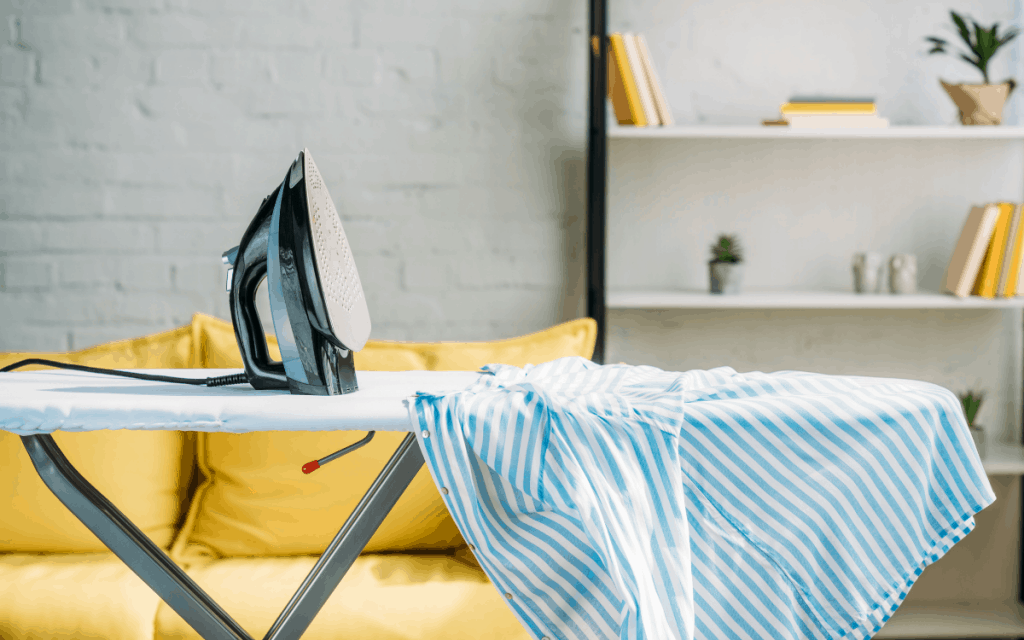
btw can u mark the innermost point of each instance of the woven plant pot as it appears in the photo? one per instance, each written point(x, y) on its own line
point(980, 103)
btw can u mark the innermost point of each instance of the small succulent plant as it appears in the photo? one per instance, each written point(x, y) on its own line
point(971, 401)
point(726, 249)
point(983, 43)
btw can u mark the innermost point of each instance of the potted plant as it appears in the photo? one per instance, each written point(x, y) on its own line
point(971, 402)
point(978, 103)
point(726, 265)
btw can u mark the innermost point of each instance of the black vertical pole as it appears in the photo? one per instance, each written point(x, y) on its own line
point(597, 172)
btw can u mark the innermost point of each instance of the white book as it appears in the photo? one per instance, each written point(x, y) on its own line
point(660, 103)
point(969, 253)
point(836, 121)
point(643, 87)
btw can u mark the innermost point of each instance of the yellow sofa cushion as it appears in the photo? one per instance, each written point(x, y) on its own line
point(73, 597)
point(256, 501)
point(573, 338)
point(140, 472)
point(383, 597)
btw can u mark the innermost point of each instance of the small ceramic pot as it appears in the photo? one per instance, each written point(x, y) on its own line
point(726, 277)
point(978, 434)
point(980, 103)
point(903, 273)
point(868, 272)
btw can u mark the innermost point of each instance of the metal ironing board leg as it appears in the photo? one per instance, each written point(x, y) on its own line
point(179, 591)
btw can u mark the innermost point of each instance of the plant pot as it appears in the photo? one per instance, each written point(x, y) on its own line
point(980, 103)
point(726, 277)
point(978, 433)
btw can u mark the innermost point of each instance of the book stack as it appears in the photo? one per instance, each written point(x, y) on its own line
point(829, 113)
point(988, 257)
point(633, 86)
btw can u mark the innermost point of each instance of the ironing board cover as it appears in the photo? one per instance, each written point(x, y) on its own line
point(634, 503)
point(37, 402)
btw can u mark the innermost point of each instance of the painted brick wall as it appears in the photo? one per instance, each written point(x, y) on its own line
point(138, 137)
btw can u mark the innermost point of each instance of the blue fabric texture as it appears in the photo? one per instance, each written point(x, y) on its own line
point(629, 502)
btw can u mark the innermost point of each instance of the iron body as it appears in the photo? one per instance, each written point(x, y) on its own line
point(319, 312)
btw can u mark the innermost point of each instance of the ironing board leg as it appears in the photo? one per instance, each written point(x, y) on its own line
point(129, 544)
point(174, 586)
point(343, 550)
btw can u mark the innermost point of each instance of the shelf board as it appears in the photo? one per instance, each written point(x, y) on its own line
point(955, 620)
point(801, 300)
point(1003, 459)
point(913, 132)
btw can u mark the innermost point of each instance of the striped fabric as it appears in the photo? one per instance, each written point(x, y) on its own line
point(634, 503)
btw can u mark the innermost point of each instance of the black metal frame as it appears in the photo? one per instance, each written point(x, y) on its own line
point(178, 590)
point(597, 171)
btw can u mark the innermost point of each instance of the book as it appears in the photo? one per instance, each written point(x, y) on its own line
point(970, 249)
point(829, 121)
point(828, 108)
point(664, 113)
point(643, 86)
point(1015, 288)
point(622, 86)
point(988, 278)
point(617, 92)
point(831, 99)
point(1010, 268)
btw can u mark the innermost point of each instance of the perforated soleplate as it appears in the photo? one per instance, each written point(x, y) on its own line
point(339, 279)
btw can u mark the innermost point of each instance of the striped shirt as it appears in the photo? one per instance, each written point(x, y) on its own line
point(626, 502)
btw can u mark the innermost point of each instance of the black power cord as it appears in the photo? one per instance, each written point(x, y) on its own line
point(220, 381)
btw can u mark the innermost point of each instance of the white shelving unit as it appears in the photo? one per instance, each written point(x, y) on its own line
point(801, 300)
point(956, 620)
point(782, 133)
point(978, 619)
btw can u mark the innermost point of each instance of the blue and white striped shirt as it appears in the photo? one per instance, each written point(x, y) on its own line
point(630, 502)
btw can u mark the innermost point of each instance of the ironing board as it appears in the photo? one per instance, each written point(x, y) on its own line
point(35, 404)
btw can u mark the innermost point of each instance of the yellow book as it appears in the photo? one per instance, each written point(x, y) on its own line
point(623, 82)
point(1016, 249)
point(988, 279)
point(617, 93)
point(643, 86)
point(846, 108)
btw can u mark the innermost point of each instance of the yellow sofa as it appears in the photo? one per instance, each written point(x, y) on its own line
point(238, 514)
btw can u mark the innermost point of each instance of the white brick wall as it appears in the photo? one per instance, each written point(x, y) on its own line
point(137, 138)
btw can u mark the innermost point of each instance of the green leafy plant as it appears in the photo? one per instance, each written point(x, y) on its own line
point(983, 43)
point(971, 401)
point(726, 249)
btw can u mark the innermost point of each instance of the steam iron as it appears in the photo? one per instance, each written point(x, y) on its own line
point(297, 243)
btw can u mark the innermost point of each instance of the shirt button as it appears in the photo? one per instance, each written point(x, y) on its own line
point(425, 434)
point(472, 548)
point(444, 490)
point(545, 638)
point(508, 595)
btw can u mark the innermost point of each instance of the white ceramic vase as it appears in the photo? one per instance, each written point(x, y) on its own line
point(903, 273)
point(868, 272)
point(726, 277)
